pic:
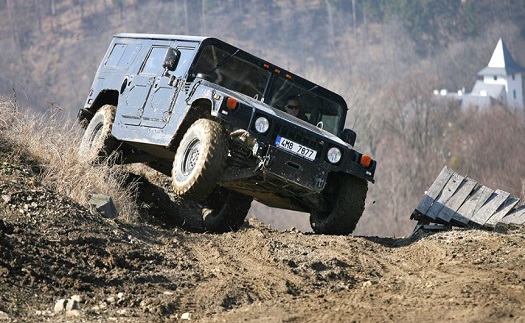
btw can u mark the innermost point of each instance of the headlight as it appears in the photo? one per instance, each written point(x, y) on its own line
point(262, 124)
point(334, 155)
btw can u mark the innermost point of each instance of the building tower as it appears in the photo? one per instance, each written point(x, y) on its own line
point(502, 79)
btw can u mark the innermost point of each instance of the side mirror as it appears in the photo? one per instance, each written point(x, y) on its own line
point(171, 59)
point(349, 136)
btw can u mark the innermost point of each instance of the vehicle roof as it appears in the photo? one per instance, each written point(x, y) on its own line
point(161, 36)
point(309, 84)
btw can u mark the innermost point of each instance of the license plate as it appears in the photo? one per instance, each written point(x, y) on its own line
point(295, 148)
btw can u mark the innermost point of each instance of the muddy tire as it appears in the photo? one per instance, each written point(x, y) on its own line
point(225, 210)
point(346, 198)
point(200, 160)
point(97, 142)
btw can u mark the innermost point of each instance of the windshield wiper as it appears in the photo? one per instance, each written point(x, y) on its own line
point(310, 90)
point(219, 64)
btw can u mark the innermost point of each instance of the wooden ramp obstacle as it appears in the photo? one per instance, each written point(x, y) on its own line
point(454, 200)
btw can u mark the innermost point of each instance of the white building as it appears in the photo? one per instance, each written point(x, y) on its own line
point(501, 82)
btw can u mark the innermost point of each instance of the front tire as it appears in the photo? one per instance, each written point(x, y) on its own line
point(200, 160)
point(345, 196)
point(97, 142)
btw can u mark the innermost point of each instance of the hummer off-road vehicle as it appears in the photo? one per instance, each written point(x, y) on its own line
point(211, 116)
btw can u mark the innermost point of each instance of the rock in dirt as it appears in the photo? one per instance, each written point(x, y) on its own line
point(4, 316)
point(66, 305)
point(185, 316)
point(103, 204)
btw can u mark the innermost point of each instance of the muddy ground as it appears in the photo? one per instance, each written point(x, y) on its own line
point(59, 262)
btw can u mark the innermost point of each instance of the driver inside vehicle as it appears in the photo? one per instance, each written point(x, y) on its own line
point(293, 107)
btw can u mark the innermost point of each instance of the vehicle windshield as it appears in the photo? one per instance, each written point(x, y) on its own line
point(231, 72)
point(226, 69)
point(314, 108)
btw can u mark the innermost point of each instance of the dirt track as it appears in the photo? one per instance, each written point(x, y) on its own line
point(52, 249)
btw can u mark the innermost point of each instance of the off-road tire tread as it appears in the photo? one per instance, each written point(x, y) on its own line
point(97, 153)
point(231, 215)
point(201, 183)
point(347, 210)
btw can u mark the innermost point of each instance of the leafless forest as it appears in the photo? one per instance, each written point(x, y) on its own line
point(384, 60)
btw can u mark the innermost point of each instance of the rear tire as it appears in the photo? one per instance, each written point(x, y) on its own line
point(346, 196)
point(97, 142)
point(200, 160)
point(225, 210)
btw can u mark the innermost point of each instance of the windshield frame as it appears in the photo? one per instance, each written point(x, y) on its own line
point(269, 93)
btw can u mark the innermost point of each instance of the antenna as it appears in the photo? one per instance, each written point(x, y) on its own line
point(357, 116)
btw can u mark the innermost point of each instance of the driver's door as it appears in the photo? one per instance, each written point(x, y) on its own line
point(163, 94)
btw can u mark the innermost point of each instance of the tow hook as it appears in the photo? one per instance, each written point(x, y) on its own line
point(320, 181)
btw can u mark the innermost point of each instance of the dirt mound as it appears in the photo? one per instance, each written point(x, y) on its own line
point(52, 249)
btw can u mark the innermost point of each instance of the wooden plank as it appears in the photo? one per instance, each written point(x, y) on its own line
point(514, 217)
point(459, 220)
point(434, 190)
point(456, 200)
point(448, 191)
point(488, 209)
point(502, 211)
point(472, 204)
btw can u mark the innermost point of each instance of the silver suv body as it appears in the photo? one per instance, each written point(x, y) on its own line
point(211, 116)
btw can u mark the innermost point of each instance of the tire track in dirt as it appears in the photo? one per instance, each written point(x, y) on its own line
point(236, 268)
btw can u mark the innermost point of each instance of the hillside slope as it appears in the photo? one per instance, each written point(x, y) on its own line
point(52, 248)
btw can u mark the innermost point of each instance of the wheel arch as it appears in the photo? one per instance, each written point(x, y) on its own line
point(106, 96)
point(200, 108)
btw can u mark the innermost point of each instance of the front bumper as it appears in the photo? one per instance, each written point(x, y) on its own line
point(294, 170)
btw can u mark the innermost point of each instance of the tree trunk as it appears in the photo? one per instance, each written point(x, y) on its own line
point(330, 25)
point(14, 32)
point(354, 20)
point(186, 19)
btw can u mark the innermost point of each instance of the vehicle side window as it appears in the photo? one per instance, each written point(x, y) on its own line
point(122, 55)
point(153, 64)
point(116, 54)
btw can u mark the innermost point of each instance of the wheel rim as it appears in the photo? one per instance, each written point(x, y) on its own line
point(191, 157)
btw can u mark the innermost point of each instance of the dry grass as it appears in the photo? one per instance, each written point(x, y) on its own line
point(52, 139)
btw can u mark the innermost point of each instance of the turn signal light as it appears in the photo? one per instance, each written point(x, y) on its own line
point(231, 103)
point(365, 160)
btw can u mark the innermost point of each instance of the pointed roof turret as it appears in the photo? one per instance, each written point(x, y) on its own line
point(502, 62)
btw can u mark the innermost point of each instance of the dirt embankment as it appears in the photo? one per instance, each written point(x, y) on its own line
point(109, 270)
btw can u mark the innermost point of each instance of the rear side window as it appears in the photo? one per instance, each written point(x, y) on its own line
point(122, 55)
